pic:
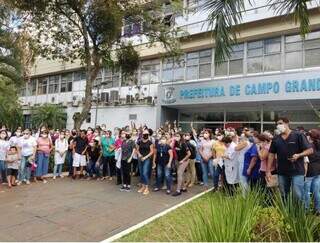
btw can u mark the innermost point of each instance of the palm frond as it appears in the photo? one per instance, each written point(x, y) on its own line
point(298, 9)
point(223, 16)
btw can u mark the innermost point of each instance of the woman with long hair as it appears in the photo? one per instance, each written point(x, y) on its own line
point(205, 150)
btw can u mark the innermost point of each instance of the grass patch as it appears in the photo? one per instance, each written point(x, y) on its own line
point(217, 217)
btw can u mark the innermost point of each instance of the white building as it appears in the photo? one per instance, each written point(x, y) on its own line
point(272, 72)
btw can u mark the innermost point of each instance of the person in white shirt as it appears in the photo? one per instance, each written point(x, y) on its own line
point(14, 139)
point(28, 147)
point(4, 147)
point(61, 148)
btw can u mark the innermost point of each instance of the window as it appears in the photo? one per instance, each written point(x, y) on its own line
point(264, 55)
point(199, 64)
point(88, 119)
point(129, 81)
point(98, 80)
point(173, 70)
point(110, 79)
point(42, 85)
point(131, 27)
point(150, 71)
point(31, 87)
point(80, 75)
point(293, 52)
point(312, 49)
point(23, 90)
point(234, 65)
point(54, 84)
point(27, 121)
point(66, 83)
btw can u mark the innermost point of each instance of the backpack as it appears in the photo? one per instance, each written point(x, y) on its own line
point(193, 150)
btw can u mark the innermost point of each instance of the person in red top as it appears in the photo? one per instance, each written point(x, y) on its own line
point(90, 136)
point(118, 144)
point(44, 147)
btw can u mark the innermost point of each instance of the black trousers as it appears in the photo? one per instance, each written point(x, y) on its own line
point(108, 166)
point(135, 166)
point(198, 172)
point(126, 169)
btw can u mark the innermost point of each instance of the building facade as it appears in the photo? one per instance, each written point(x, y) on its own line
point(271, 72)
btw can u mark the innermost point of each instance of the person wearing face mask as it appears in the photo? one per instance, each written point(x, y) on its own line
point(44, 147)
point(145, 151)
point(163, 157)
point(290, 147)
point(312, 180)
point(218, 151)
point(90, 136)
point(191, 169)
point(127, 152)
point(69, 156)
point(205, 151)
point(60, 151)
point(107, 144)
point(14, 139)
point(96, 135)
point(4, 147)
point(134, 138)
point(27, 146)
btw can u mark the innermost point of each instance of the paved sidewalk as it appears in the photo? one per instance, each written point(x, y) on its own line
point(66, 210)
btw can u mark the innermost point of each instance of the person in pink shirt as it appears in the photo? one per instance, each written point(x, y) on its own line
point(118, 144)
point(90, 136)
point(44, 147)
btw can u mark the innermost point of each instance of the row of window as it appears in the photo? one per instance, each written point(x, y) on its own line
point(273, 54)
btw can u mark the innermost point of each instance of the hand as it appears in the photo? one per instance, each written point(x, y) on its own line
point(295, 157)
point(191, 125)
point(154, 166)
point(169, 165)
point(142, 158)
point(248, 171)
point(181, 162)
point(129, 160)
point(268, 176)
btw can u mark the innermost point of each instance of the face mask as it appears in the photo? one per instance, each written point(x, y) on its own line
point(74, 133)
point(62, 136)
point(89, 132)
point(123, 135)
point(128, 136)
point(232, 134)
point(44, 135)
point(26, 136)
point(187, 137)
point(145, 136)
point(281, 128)
point(219, 138)
point(216, 132)
point(3, 136)
point(206, 135)
point(96, 134)
point(163, 141)
point(18, 134)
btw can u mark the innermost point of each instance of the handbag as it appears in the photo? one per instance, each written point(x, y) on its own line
point(273, 182)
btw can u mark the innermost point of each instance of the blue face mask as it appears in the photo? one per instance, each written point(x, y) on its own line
point(251, 140)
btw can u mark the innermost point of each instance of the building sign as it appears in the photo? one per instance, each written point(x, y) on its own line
point(302, 85)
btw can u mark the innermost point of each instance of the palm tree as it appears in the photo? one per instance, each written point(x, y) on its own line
point(225, 14)
point(50, 116)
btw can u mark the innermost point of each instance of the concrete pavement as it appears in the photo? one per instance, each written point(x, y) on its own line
point(67, 210)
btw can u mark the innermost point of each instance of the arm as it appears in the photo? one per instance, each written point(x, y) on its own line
point(150, 154)
point(186, 158)
point(252, 165)
point(170, 158)
point(306, 152)
point(270, 161)
point(154, 157)
point(241, 145)
point(263, 154)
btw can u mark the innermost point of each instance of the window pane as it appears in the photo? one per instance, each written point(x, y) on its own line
point(144, 78)
point(272, 45)
point(209, 116)
point(255, 44)
point(313, 35)
point(178, 74)
point(205, 59)
point(192, 72)
point(296, 46)
point(205, 71)
point(312, 58)
point(193, 55)
point(236, 67)
point(253, 116)
point(167, 75)
point(293, 60)
point(206, 53)
point(293, 38)
point(309, 44)
point(255, 52)
point(191, 62)
point(272, 63)
point(154, 77)
point(255, 65)
point(221, 69)
point(294, 115)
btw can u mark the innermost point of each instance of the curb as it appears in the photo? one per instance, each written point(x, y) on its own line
point(149, 220)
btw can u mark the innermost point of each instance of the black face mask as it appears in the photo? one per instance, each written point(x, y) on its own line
point(74, 133)
point(145, 136)
point(128, 136)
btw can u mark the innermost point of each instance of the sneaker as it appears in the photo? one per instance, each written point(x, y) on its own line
point(184, 189)
point(168, 192)
point(201, 183)
point(110, 179)
point(146, 192)
point(19, 183)
point(141, 190)
point(61, 176)
point(164, 188)
point(54, 177)
point(28, 182)
point(128, 189)
point(177, 193)
point(156, 189)
point(45, 181)
point(122, 189)
point(190, 185)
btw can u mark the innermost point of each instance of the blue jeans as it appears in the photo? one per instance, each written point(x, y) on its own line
point(214, 171)
point(24, 170)
point(92, 168)
point(57, 170)
point(144, 168)
point(42, 164)
point(164, 171)
point(3, 169)
point(69, 158)
point(297, 183)
point(312, 185)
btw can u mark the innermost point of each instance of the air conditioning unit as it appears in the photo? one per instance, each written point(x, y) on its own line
point(94, 97)
point(104, 97)
point(129, 99)
point(114, 96)
point(65, 103)
point(149, 100)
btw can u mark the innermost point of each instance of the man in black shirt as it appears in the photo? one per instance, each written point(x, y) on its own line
point(80, 145)
point(290, 147)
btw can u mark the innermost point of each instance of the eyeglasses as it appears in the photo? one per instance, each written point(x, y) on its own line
point(25, 133)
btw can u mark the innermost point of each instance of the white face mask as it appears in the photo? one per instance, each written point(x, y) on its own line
point(18, 134)
point(219, 138)
point(281, 128)
point(44, 135)
point(3, 136)
point(62, 136)
point(163, 141)
point(206, 135)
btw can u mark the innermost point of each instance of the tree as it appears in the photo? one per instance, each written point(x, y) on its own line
point(90, 30)
point(49, 115)
point(224, 15)
point(11, 71)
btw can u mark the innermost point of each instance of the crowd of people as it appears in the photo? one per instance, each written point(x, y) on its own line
point(284, 158)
